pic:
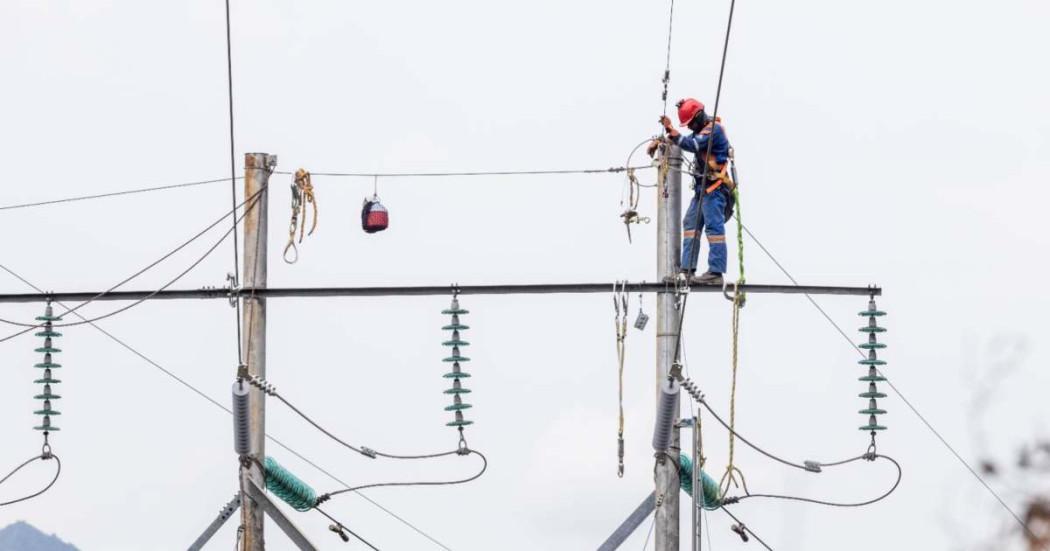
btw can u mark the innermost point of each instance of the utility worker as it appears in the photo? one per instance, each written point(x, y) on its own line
point(708, 209)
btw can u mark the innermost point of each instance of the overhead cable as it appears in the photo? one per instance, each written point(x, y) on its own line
point(30, 326)
point(897, 391)
point(113, 194)
point(233, 177)
point(219, 405)
point(610, 170)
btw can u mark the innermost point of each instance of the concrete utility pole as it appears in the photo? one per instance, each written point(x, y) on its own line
point(257, 168)
point(668, 254)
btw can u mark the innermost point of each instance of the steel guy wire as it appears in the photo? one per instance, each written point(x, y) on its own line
point(30, 326)
point(112, 194)
point(896, 391)
point(233, 178)
point(219, 405)
point(649, 534)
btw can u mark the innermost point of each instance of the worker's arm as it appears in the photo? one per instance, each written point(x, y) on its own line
point(669, 130)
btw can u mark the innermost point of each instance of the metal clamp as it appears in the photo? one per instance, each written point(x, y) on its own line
point(232, 289)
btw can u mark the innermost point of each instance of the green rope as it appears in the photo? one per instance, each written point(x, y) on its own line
point(288, 487)
point(710, 487)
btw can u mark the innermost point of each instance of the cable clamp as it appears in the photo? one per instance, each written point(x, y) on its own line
point(368, 452)
point(811, 466)
point(339, 531)
point(232, 289)
point(740, 530)
point(461, 447)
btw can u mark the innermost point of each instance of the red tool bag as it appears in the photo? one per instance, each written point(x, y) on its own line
point(374, 216)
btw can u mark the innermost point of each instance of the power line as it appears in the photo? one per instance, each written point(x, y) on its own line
point(610, 170)
point(112, 194)
point(219, 405)
point(897, 391)
point(151, 294)
point(233, 177)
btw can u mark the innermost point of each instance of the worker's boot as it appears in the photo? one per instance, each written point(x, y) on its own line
point(708, 278)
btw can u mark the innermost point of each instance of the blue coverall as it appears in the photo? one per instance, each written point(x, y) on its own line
point(711, 217)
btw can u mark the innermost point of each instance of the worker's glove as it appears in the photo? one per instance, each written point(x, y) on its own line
point(669, 128)
point(653, 146)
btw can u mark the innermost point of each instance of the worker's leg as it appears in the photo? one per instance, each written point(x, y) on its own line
point(694, 220)
point(714, 214)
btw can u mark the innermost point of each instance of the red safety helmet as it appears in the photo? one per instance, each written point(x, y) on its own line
point(687, 109)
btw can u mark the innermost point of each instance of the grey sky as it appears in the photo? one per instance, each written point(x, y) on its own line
point(896, 142)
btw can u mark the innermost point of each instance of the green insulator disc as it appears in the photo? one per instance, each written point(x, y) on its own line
point(872, 378)
point(872, 395)
point(871, 345)
point(457, 311)
point(456, 375)
point(456, 342)
point(458, 407)
point(50, 428)
point(48, 350)
point(872, 362)
point(47, 396)
point(871, 313)
point(870, 329)
point(48, 318)
point(872, 411)
point(48, 333)
point(456, 359)
point(456, 327)
point(48, 381)
point(872, 427)
point(462, 423)
point(47, 365)
point(47, 412)
point(458, 391)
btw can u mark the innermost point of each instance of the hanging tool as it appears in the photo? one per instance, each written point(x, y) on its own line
point(374, 216)
point(302, 194)
point(642, 318)
point(631, 216)
point(620, 299)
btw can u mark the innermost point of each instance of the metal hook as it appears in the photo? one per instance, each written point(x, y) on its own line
point(736, 293)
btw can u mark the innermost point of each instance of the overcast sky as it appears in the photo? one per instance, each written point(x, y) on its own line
point(898, 143)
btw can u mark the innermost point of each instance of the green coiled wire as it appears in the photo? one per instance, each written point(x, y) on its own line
point(288, 487)
point(710, 487)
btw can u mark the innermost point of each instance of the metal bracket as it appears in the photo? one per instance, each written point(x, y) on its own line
point(232, 289)
point(224, 515)
point(278, 517)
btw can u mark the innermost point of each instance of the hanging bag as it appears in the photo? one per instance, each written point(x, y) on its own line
point(374, 216)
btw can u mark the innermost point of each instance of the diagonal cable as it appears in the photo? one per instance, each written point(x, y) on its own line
point(219, 405)
point(897, 391)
